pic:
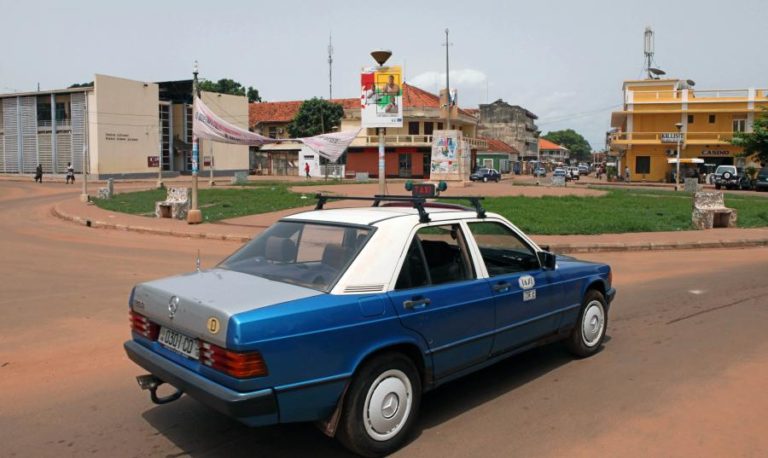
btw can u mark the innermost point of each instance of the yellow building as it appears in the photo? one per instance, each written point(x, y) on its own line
point(645, 133)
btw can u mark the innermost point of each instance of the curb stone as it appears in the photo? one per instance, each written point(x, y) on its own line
point(605, 247)
point(57, 212)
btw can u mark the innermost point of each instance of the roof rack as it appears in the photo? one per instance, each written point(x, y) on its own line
point(418, 202)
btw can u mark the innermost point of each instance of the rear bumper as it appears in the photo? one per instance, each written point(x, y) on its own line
point(253, 408)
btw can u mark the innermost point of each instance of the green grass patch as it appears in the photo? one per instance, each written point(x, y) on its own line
point(620, 210)
point(216, 204)
point(617, 212)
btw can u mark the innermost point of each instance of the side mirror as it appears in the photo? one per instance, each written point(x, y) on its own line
point(547, 260)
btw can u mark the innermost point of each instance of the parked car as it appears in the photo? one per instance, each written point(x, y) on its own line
point(346, 316)
point(574, 172)
point(761, 183)
point(726, 176)
point(745, 182)
point(485, 174)
point(583, 169)
point(539, 172)
point(561, 172)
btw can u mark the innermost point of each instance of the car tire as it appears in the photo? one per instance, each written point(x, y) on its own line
point(485, 179)
point(727, 175)
point(587, 336)
point(717, 186)
point(381, 406)
point(498, 179)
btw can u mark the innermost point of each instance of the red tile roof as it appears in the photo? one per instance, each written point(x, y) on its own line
point(499, 146)
point(261, 112)
point(546, 144)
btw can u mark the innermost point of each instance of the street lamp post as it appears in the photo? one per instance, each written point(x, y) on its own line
point(381, 57)
point(677, 165)
point(195, 216)
point(84, 195)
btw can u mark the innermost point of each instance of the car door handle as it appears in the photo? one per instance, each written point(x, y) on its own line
point(417, 303)
point(501, 287)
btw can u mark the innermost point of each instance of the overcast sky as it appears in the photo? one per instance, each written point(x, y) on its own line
point(563, 60)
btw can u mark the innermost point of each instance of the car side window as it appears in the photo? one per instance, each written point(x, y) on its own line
point(502, 250)
point(414, 271)
point(437, 255)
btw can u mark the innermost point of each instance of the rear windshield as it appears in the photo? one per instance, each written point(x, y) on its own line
point(305, 254)
point(725, 168)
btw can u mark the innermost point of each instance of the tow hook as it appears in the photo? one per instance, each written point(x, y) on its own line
point(152, 383)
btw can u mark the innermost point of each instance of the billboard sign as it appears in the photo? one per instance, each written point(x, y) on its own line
point(381, 96)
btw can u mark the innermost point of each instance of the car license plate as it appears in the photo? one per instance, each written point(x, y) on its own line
point(178, 342)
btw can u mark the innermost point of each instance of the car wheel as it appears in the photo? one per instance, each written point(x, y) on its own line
point(717, 186)
point(588, 334)
point(485, 179)
point(498, 179)
point(381, 406)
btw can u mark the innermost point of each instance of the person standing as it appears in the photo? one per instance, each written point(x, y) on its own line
point(626, 174)
point(70, 173)
point(306, 169)
point(39, 173)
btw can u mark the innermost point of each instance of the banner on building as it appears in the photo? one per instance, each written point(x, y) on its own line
point(208, 125)
point(381, 96)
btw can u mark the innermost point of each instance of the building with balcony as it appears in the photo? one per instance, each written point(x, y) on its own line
point(119, 127)
point(552, 153)
point(512, 124)
point(408, 149)
point(644, 134)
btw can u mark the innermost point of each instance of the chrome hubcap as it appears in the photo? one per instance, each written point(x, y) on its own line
point(387, 405)
point(593, 324)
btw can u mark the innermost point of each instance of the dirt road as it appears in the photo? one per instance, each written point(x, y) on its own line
point(683, 373)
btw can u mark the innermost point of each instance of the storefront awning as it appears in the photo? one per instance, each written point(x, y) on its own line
point(686, 160)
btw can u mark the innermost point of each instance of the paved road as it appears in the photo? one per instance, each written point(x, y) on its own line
point(683, 373)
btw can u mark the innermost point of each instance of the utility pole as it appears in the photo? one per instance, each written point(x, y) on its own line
point(194, 216)
point(330, 67)
point(447, 85)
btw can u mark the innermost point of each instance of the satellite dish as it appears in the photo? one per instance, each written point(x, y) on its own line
point(691, 83)
point(656, 71)
point(381, 56)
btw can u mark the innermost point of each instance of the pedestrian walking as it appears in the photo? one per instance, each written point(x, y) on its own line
point(306, 169)
point(626, 174)
point(70, 173)
point(39, 173)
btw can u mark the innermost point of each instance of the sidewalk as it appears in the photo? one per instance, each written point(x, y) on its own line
point(244, 228)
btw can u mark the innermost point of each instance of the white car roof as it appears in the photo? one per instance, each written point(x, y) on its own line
point(370, 216)
point(375, 268)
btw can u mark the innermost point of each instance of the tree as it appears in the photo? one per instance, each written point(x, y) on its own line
point(755, 142)
point(569, 138)
point(82, 85)
point(315, 116)
point(230, 86)
point(253, 95)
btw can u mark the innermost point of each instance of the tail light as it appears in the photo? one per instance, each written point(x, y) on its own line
point(236, 364)
point(141, 325)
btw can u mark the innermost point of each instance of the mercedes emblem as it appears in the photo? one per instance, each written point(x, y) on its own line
point(173, 306)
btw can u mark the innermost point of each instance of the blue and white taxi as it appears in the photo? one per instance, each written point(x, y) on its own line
point(347, 316)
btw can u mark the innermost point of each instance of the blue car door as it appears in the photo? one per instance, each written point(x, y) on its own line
point(528, 298)
point(439, 295)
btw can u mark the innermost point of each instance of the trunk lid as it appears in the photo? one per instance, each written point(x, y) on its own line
point(210, 296)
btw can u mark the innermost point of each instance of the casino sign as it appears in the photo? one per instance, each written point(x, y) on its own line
point(717, 153)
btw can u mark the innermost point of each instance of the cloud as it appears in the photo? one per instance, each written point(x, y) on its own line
point(467, 77)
